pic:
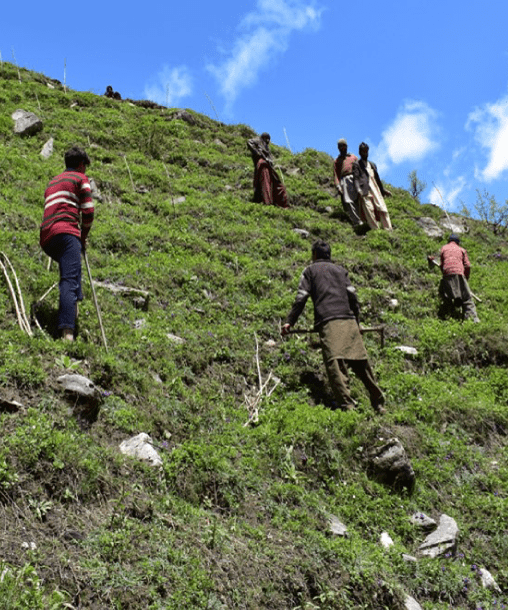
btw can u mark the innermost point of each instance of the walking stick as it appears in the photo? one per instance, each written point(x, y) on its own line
point(95, 301)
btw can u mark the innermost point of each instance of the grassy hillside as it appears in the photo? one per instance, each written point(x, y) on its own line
point(237, 517)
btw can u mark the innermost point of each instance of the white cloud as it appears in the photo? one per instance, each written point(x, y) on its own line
point(490, 124)
point(266, 33)
point(447, 195)
point(411, 136)
point(170, 86)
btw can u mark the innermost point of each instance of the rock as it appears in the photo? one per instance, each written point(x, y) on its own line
point(454, 224)
point(293, 171)
point(422, 521)
point(26, 123)
point(408, 558)
point(441, 541)
point(29, 546)
point(386, 540)
point(410, 351)
point(183, 115)
point(175, 200)
point(78, 384)
point(410, 603)
point(329, 209)
point(175, 339)
point(393, 303)
point(430, 227)
point(270, 343)
point(139, 324)
point(96, 194)
point(488, 581)
point(391, 466)
point(140, 297)
point(140, 447)
point(336, 526)
point(10, 406)
point(301, 232)
point(47, 149)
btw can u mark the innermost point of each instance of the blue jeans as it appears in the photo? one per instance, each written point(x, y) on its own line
point(65, 249)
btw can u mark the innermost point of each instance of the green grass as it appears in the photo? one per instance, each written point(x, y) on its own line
point(237, 516)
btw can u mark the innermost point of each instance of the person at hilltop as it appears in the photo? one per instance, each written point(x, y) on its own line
point(336, 317)
point(68, 217)
point(344, 181)
point(454, 288)
point(112, 94)
point(268, 187)
point(371, 192)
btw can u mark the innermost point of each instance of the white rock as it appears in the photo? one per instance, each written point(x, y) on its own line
point(175, 339)
point(77, 383)
point(412, 351)
point(270, 343)
point(393, 303)
point(488, 581)
point(336, 526)
point(47, 149)
point(301, 232)
point(386, 540)
point(140, 447)
point(412, 604)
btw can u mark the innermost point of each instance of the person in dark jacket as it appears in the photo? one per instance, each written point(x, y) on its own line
point(336, 317)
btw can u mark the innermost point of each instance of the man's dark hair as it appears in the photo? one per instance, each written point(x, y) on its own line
point(363, 146)
point(454, 238)
point(321, 249)
point(75, 156)
point(265, 136)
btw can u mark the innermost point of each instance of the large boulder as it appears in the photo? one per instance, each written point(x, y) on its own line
point(26, 123)
point(443, 540)
point(390, 465)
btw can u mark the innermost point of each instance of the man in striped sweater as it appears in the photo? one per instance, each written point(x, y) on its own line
point(68, 216)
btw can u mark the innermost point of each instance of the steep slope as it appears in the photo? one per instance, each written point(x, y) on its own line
point(237, 517)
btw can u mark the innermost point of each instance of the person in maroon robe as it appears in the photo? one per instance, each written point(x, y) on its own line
point(268, 187)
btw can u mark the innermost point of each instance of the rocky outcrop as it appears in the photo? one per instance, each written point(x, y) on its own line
point(26, 123)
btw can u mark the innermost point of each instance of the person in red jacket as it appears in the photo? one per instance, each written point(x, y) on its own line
point(68, 217)
point(454, 289)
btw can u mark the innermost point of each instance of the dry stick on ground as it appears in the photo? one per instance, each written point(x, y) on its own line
point(444, 205)
point(252, 402)
point(170, 189)
point(130, 175)
point(287, 140)
point(18, 304)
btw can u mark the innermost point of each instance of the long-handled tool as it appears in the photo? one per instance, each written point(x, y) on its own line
point(363, 329)
point(95, 301)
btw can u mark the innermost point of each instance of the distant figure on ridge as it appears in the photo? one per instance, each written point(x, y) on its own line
point(344, 181)
point(453, 288)
point(68, 217)
point(336, 317)
point(268, 187)
point(113, 94)
point(370, 190)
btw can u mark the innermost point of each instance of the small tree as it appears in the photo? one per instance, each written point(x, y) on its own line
point(416, 186)
point(492, 212)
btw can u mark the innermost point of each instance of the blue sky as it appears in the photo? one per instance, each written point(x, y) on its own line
point(424, 83)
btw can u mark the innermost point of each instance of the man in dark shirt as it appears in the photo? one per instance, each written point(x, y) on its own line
point(336, 317)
